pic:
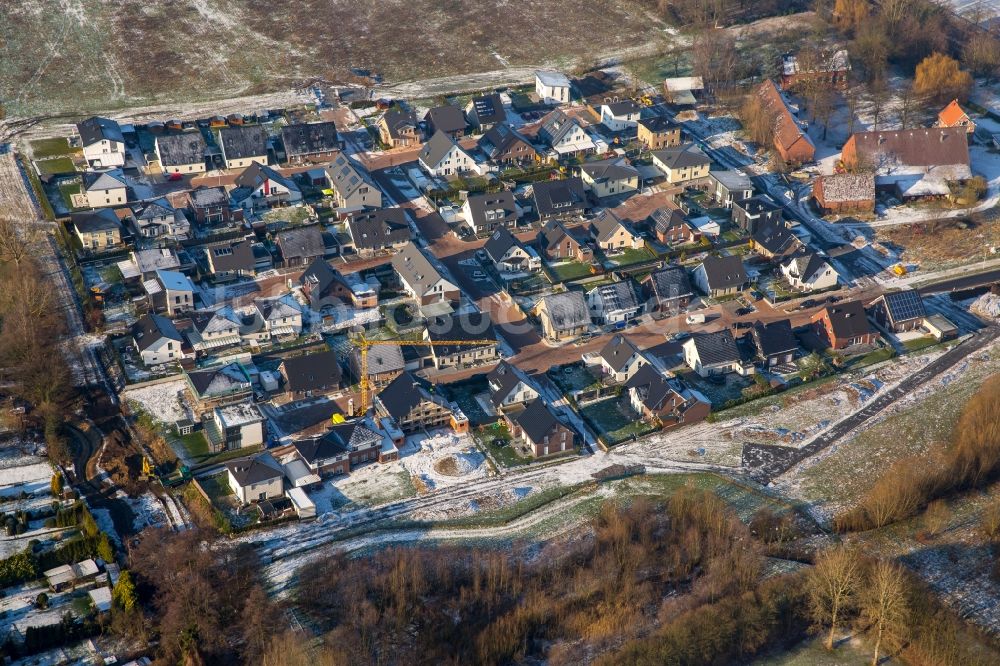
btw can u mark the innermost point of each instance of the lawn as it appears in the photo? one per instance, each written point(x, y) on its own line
point(67, 190)
point(919, 344)
point(569, 270)
point(610, 421)
point(52, 147)
point(871, 358)
point(631, 256)
point(571, 378)
point(719, 394)
point(654, 69)
point(196, 446)
point(504, 454)
point(56, 165)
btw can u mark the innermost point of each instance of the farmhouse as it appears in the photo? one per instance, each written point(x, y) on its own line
point(826, 67)
point(791, 142)
point(845, 193)
point(954, 116)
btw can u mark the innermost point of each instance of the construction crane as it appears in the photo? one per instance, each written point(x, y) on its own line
point(364, 344)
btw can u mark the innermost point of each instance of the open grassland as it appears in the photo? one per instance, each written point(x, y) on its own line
point(76, 56)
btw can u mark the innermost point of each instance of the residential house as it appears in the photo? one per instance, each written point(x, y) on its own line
point(211, 207)
point(174, 293)
point(281, 316)
point(791, 142)
point(361, 438)
point(260, 186)
point(667, 289)
point(774, 240)
point(613, 303)
point(751, 214)
point(620, 116)
point(156, 339)
point(510, 255)
point(721, 276)
point(412, 407)
point(666, 400)
point(621, 359)
point(672, 227)
point(559, 198)
point(374, 232)
point(181, 153)
point(447, 119)
point(658, 132)
point(385, 363)
point(97, 229)
point(310, 142)
point(324, 456)
point(214, 329)
point(898, 311)
point(243, 145)
point(442, 156)
point(954, 116)
point(148, 262)
point(230, 261)
point(353, 188)
point(714, 354)
point(809, 272)
point(844, 325)
point(510, 387)
point(421, 280)
point(398, 128)
point(774, 342)
point(552, 87)
point(911, 163)
point(504, 145)
point(234, 427)
point(311, 375)
point(301, 245)
point(486, 212)
point(458, 328)
point(829, 67)
point(680, 91)
point(563, 315)
point(564, 135)
point(540, 430)
point(845, 193)
point(102, 142)
point(682, 164)
point(728, 187)
point(158, 219)
point(256, 479)
point(105, 188)
point(486, 111)
point(557, 243)
point(612, 177)
point(325, 287)
point(612, 234)
point(219, 385)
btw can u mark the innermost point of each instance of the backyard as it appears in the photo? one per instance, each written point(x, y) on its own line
point(611, 422)
point(629, 256)
point(569, 270)
point(495, 440)
point(52, 147)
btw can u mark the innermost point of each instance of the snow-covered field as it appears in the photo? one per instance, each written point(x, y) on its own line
point(160, 401)
point(23, 473)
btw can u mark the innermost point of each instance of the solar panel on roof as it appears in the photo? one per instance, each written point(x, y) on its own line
point(905, 305)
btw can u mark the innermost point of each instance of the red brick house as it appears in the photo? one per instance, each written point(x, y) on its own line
point(540, 430)
point(790, 141)
point(844, 325)
point(845, 193)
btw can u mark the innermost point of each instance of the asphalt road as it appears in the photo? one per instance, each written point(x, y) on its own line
point(963, 282)
point(765, 462)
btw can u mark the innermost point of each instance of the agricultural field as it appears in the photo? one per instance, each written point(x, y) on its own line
point(77, 56)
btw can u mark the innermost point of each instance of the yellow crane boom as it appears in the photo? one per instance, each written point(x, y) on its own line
point(364, 344)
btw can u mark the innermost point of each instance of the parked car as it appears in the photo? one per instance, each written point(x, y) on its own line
point(695, 318)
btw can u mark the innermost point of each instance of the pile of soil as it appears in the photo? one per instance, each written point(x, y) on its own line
point(123, 462)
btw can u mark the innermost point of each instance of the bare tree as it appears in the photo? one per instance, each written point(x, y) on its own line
point(981, 54)
point(878, 97)
point(833, 587)
point(909, 105)
point(884, 606)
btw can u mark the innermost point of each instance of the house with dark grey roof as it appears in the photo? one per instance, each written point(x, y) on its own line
point(753, 213)
point(620, 116)
point(398, 128)
point(156, 339)
point(728, 187)
point(260, 186)
point(721, 276)
point(243, 145)
point(325, 455)
point(231, 260)
point(442, 156)
point(256, 479)
point(714, 354)
point(448, 119)
point(486, 211)
point(612, 234)
point(540, 431)
point(774, 240)
point(672, 227)
point(556, 243)
point(486, 111)
point(665, 400)
point(468, 326)
point(181, 153)
point(219, 385)
point(158, 219)
point(809, 272)
point(510, 387)
point(212, 207)
point(310, 375)
point(310, 142)
point(375, 232)
point(502, 144)
point(898, 311)
point(102, 142)
point(844, 325)
point(105, 188)
point(564, 135)
point(621, 359)
point(560, 198)
point(613, 303)
point(353, 187)
point(656, 132)
point(412, 406)
point(510, 255)
point(324, 287)
point(301, 245)
point(681, 164)
point(774, 342)
point(385, 363)
point(611, 177)
point(563, 315)
point(97, 229)
point(667, 289)
point(282, 315)
point(421, 280)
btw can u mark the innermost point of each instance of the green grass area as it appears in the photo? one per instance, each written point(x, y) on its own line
point(217, 488)
point(919, 344)
point(755, 407)
point(610, 421)
point(67, 190)
point(52, 147)
point(654, 69)
point(196, 445)
point(632, 256)
point(572, 377)
point(56, 165)
point(871, 358)
point(504, 454)
point(570, 270)
point(813, 653)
